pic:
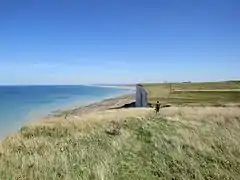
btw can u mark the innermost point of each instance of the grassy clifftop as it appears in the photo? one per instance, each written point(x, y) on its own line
point(181, 143)
point(94, 142)
point(196, 94)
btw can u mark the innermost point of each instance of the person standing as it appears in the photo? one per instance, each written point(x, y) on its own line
point(157, 107)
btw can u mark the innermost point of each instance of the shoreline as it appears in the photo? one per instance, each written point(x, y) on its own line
point(92, 104)
point(76, 104)
point(74, 113)
point(40, 115)
point(102, 105)
point(77, 112)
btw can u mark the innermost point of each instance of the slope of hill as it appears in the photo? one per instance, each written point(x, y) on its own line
point(180, 143)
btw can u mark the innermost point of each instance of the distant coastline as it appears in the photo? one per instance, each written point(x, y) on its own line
point(105, 104)
point(93, 105)
point(120, 86)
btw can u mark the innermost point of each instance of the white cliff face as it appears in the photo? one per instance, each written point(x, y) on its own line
point(141, 97)
point(138, 96)
point(144, 98)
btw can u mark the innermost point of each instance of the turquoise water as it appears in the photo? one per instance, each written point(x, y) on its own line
point(18, 104)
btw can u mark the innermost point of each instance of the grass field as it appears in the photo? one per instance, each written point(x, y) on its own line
point(188, 94)
point(180, 143)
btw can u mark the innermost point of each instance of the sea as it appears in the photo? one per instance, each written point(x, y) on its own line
point(21, 104)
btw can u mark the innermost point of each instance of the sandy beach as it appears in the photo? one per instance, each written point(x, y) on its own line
point(75, 113)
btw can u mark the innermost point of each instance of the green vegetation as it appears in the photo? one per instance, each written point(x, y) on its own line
point(179, 143)
point(204, 94)
point(188, 143)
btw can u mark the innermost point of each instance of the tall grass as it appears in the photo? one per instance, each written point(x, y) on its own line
point(179, 143)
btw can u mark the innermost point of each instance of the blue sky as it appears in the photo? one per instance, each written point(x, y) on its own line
point(124, 41)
